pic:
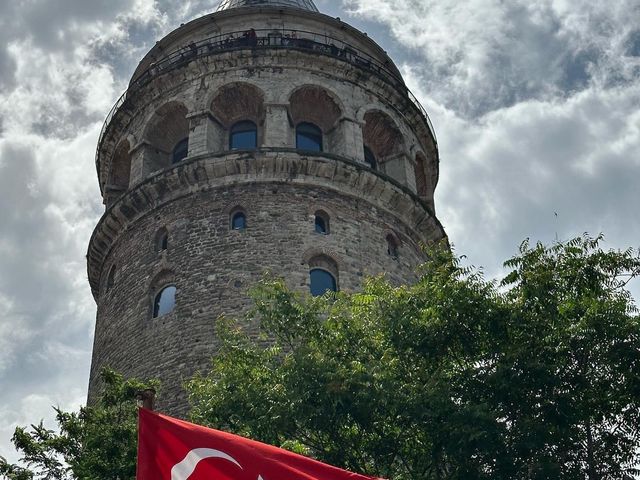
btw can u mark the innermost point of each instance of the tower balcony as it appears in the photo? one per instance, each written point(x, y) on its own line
point(263, 41)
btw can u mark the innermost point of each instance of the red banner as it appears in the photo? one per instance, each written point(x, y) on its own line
point(171, 449)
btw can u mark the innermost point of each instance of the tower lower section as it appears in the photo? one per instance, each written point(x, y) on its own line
point(212, 265)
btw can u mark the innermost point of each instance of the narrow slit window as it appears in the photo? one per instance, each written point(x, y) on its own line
point(111, 277)
point(161, 240)
point(322, 223)
point(392, 247)
point(165, 301)
point(321, 226)
point(239, 221)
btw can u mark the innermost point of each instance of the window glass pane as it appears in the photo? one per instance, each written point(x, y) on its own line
point(308, 137)
point(321, 282)
point(180, 150)
point(165, 301)
point(244, 136)
point(321, 226)
point(369, 157)
point(239, 221)
point(164, 242)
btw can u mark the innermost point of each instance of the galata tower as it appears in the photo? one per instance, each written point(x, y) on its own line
point(263, 137)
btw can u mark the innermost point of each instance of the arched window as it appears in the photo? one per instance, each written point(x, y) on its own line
point(392, 246)
point(322, 282)
point(308, 137)
point(238, 221)
point(165, 301)
point(180, 151)
point(244, 136)
point(323, 275)
point(322, 222)
point(369, 158)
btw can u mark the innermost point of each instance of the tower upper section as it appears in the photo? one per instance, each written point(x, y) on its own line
point(303, 4)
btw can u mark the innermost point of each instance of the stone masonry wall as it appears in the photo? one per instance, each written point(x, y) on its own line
point(212, 267)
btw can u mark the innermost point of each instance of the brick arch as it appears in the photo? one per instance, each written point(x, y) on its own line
point(381, 134)
point(326, 263)
point(314, 207)
point(167, 126)
point(312, 253)
point(238, 101)
point(162, 277)
point(315, 104)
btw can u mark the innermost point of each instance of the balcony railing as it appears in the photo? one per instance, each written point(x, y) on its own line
point(264, 39)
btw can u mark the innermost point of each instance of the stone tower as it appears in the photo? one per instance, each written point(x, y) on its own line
point(264, 136)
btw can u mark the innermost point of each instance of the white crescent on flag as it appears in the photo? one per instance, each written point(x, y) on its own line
point(184, 469)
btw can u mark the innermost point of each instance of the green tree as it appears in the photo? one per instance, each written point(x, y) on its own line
point(98, 442)
point(567, 374)
point(453, 377)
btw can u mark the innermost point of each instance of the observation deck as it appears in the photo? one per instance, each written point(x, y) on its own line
point(263, 39)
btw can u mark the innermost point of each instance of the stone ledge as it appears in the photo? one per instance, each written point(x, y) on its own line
point(273, 165)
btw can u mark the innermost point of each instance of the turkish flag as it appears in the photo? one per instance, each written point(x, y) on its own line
point(172, 449)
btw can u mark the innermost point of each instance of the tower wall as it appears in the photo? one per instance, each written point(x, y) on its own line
point(200, 96)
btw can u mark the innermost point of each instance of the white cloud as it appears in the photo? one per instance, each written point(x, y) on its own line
point(480, 55)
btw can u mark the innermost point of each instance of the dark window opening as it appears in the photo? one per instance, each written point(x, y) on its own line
point(161, 240)
point(244, 136)
point(180, 151)
point(322, 222)
point(239, 221)
point(369, 158)
point(111, 278)
point(322, 282)
point(308, 137)
point(392, 247)
point(321, 225)
point(165, 301)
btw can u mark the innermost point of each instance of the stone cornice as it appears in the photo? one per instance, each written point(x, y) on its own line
point(268, 165)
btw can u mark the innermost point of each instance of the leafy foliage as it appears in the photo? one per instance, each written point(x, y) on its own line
point(450, 378)
point(98, 442)
point(569, 380)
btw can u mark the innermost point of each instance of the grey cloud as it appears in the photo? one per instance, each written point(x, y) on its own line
point(633, 44)
point(7, 70)
point(31, 241)
point(480, 56)
point(541, 170)
point(45, 323)
point(57, 25)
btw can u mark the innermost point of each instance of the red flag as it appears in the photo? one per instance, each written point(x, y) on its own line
point(171, 449)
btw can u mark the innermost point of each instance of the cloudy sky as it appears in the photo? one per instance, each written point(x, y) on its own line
point(536, 105)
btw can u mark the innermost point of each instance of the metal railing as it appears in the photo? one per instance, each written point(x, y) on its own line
point(263, 39)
